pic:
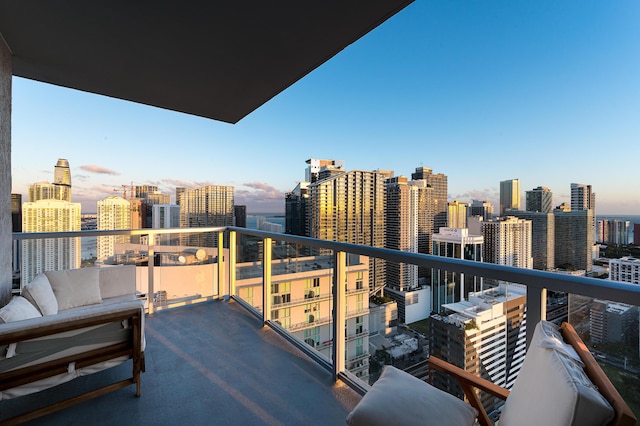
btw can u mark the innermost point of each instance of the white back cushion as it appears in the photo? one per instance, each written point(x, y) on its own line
point(552, 388)
point(75, 287)
point(40, 294)
point(117, 280)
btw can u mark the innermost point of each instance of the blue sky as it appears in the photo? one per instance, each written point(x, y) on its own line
point(545, 91)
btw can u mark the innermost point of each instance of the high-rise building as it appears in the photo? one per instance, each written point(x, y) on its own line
point(446, 286)
point(16, 212)
point(636, 234)
point(611, 322)
point(457, 214)
point(321, 169)
point(207, 206)
point(539, 199)
point(426, 220)
point(582, 197)
point(480, 208)
point(507, 241)
point(602, 235)
point(240, 216)
point(542, 238)
point(143, 190)
point(62, 179)
point(509, 195)
point(16, 226)
point(625, 269)
point(296, 210)
point(401, 231)
point(439, 183)
point(574, 239)
point(484, 335)
point(165, 216)
point(138, 211)
point(50, 254)
point(616, 232)
point(179, 191)
point(113, 213)
point(403, 285)
point(350, 208)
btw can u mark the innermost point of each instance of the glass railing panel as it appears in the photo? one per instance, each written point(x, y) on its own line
point(186, 267)
point(610, 330)
point(248, 270)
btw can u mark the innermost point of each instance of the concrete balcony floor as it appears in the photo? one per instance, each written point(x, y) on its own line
point(209, 363)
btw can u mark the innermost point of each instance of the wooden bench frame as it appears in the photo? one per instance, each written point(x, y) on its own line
point(131, 348)
point(469, 382)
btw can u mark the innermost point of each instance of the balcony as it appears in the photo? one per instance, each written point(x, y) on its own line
point(214, 349)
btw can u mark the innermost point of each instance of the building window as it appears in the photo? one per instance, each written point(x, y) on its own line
point(359, 302)
point(359, 346)
point(281, 293)
point(282, 317)
point(246, 294)
point(359, 281)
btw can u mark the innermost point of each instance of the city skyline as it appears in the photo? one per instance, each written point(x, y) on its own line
point(481, 93)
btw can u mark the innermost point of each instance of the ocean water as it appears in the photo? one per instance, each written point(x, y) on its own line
point(277, 218)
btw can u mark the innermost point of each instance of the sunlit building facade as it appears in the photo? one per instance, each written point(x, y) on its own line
point(542, 238)
point(507, 241)
point(484, 335)
point(350, 208)
point(509, 195)
point(457, 214)
point(207, 206)
point(301, 302)
point(50, 254)
point(113, 213)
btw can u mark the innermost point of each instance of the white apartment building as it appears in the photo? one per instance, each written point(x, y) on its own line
point(508, 241)
point(50, 254)
point(447, 286)
point(484, 335)
point(626, 269)
point(113, 213)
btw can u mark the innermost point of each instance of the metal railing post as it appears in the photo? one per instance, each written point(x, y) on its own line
point(339, 312)
point(222, 287)
point(536, 309)
point(150, 263)
point(266, 279)
point(232, 263)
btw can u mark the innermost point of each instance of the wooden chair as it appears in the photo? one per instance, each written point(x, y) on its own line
point(469, 383)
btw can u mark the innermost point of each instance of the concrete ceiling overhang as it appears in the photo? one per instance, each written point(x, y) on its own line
point(215, 59)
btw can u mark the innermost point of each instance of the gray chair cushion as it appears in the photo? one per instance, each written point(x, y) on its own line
point(398, 398)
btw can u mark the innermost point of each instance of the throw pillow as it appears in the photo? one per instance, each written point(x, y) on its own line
point(18, 309)
point(398, 398)
point(75, 287)
point(40, 294)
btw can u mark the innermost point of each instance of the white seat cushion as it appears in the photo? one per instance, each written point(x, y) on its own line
point(398, 398)
point(552, 388)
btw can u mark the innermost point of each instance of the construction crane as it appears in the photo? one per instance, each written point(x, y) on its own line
point(124, 191)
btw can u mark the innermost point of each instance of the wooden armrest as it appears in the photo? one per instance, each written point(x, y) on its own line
point(624, 415)
point(469, 383)
point(463, 376)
